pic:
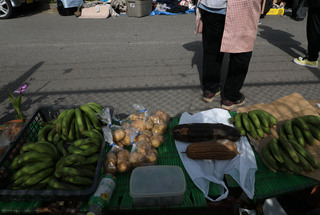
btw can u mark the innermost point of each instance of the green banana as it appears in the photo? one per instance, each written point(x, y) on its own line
point(60, 120)
point(51, 134)
point(96, 107)
point(315, 131)
point(53, 148)
point(72, 159)
point(238, 123)
point(290, 165)
point(266, 129)
point(93, 136)
point(31, 169)
point(79, 180)
point(298, 135)
point(78, 133)
point(80, 121)
point(72, 132)
point(66, 123)
point(308, 137)
point(37, 177)
point(274, 148)
point(90, 113)
point(44, 131)
point(41, 147)
point(245, 121)
point(74, 150)
point(90, 151)
point(268, 159)
point(304, 163)
point(288, 126)
point(72, 171)
point(32, 156)
point(264, 120)
point(61, 149)
point(307, 155)
point(272, 120)
point(300, 123)
point(56, 138)
point(255, 120)
point(311, 119)
point(92, 159)
point(287, 147)
point(58, 185)
point(253, 131)
point(88, 123)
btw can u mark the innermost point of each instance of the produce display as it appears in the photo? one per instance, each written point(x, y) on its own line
point(257, 123)
point(135, 141)
point(288, 151)
point(208, 140)
point(221, 149)
point(197, 132)
point(65, 155)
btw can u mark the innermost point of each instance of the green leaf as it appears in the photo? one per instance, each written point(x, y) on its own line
point(19, 101)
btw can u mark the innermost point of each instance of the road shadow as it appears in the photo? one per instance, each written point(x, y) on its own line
point(197, 58)
point(10, 112)
point(31, 9)
point(286, 42)
point(282, 40)
point(196, 48)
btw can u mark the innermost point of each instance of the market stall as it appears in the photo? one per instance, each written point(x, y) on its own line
point(266, 182)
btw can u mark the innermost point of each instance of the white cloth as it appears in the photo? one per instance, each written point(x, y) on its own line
point(242, 167)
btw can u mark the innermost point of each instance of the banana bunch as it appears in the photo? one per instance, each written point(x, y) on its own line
point(76, 168)
point(303, 129)
point(255, 122)
point(288, 154)
point(71, 123)
point(34, 165)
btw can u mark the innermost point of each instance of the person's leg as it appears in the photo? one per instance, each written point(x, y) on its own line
point(237, 72)
point(213, 25)
point(313, 37)
point(313, 34)
point(299, 12)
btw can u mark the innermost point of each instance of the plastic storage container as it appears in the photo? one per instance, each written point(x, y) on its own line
point(157, 186)
point(139, 8)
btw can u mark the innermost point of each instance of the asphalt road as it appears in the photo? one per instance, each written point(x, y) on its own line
point(154, 61)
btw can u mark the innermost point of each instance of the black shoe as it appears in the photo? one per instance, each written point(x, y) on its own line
point(297, 18)
point(229, 105)
point(209, 96)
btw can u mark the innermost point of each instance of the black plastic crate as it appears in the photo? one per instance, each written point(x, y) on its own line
point(29, 134)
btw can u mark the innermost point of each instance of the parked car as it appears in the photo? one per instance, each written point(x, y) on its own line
point(7, 7)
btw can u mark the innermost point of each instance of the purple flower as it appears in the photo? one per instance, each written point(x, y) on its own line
point(22, 89)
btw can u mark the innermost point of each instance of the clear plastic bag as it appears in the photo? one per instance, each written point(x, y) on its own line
point(142, 154)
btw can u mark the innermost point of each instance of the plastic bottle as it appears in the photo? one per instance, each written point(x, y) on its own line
point(100, 199)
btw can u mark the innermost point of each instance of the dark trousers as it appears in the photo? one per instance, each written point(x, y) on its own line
point(298, 9)
point(213, 25)
point(313, 33)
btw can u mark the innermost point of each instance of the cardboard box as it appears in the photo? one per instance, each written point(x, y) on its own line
point(288, 107)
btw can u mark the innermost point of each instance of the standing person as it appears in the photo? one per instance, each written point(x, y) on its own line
point(299, 11)
point(228, 27)
point(313, 36)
